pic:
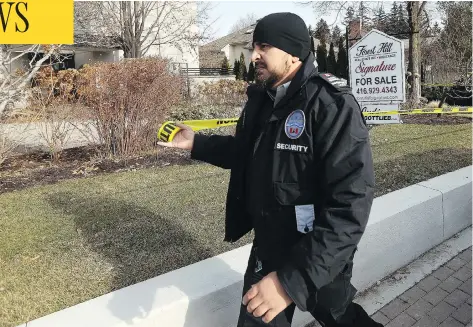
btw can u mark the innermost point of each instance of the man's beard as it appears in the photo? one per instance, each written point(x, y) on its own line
point(269, 81)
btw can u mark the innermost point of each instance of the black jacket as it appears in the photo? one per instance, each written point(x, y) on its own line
point(317, 185)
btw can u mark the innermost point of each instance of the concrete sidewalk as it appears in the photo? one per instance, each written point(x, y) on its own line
point(441, 299)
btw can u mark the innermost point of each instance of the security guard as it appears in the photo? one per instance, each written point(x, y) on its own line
point(301, 177)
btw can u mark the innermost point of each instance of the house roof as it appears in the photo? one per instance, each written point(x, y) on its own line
point(243, 36)
point(82, 40)
point(90, 40)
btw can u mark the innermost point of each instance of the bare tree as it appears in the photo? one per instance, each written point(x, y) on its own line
point(448, 54)
point(139, 25)
point(18, 66)
point(414, 10)
point(322, 8)
point(243, 22)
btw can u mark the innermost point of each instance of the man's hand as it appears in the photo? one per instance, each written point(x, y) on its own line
point(267, 298)
point(184, 139)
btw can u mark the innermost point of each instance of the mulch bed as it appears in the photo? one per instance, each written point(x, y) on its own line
point(434, 119)
point(37, 168)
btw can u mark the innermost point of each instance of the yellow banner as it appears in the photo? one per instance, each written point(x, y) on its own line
point(37, 22)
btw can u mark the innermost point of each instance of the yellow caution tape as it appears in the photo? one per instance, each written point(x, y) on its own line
point(455, 110)
point(169, 129)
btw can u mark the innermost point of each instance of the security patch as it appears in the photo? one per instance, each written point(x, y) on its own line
point(292, 147)
point(295, 124)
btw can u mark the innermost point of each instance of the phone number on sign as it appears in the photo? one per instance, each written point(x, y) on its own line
point(376, 90)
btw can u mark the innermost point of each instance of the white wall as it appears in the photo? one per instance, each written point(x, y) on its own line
point(406, 223)
point(105, 56)
point(228, 54)
point(83, 57)
point(235, 52)
point(20, 63)
point(177, 14)
point(89, 57)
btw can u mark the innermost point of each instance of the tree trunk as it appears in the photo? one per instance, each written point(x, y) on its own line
point(3, 106)
point(413, 9)
point(131, 40)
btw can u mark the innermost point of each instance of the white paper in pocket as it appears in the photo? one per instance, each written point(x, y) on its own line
point(305, 216)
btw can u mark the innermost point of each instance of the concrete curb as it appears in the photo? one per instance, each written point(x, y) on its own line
point(403, 225)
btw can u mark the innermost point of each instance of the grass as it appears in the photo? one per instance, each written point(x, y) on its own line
point(407, 154)
point(66, 243)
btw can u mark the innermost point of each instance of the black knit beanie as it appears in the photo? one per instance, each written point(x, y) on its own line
point(285, 31)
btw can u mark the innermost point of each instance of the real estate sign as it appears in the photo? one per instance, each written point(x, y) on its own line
point(377, 107)
point(377, 72)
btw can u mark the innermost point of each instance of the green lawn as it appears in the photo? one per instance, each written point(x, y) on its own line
point(407, 154)
point(66, 243)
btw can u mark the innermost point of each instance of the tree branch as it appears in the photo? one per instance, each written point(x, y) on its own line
point(140, 25)
point(421, 8)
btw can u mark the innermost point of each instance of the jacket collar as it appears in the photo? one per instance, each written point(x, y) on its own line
point(307, 70)
point(302, 76)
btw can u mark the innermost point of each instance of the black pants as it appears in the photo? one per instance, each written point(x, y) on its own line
point(334, 301)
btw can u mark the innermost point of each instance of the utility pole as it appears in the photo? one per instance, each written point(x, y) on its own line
point(414, 9)
point(361, 17)
point(347, 29)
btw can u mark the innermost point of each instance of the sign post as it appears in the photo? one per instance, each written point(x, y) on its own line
point(377, 74)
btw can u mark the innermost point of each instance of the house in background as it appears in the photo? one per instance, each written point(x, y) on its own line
point(211, 55)
point(91, 46)
point(86, 49)
point(175, 47)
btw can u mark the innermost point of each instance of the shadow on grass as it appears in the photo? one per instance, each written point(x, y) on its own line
point(410, 169)
point(139, 245)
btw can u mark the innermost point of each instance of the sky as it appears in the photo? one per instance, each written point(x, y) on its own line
point(226, 13)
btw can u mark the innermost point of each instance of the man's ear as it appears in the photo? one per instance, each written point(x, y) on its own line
point(295, 59)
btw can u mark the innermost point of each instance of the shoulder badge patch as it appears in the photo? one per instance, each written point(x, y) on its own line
point(295, 124)
point(334, 80)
